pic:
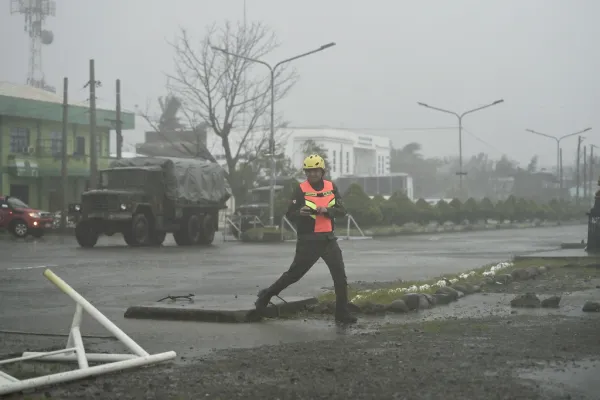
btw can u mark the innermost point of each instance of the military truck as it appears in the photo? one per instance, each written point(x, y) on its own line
point(255, 211)
point(144, 198)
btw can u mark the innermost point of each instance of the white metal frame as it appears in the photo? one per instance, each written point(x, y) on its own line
point(75, 350)
point(351, 220)
point(284, 222)
point(230, 222)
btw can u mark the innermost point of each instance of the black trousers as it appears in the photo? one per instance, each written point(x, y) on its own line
point(308, 252)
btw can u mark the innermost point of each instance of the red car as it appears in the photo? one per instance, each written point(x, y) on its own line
point(21, 220)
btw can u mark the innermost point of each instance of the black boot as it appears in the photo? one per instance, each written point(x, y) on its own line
point(342, 315)
point(264, 297)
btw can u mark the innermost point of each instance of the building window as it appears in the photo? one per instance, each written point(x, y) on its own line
point(334, 160)
point(19, 140)
point(347, 162)
point(56, 144)
point(79, 146)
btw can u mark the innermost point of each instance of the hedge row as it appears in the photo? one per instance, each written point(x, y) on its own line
point(399, 209)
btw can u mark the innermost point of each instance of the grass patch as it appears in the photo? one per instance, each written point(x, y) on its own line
point(387, 293)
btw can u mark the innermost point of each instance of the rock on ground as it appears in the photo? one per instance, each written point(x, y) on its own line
point(526, 300)
point(551, 302)
point(591, 306)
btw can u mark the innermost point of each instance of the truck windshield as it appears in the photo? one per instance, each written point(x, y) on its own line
point(123, 179)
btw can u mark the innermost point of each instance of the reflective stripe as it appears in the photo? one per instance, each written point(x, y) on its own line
point(311, 205)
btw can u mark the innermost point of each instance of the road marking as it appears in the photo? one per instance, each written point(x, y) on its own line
point(36, 267)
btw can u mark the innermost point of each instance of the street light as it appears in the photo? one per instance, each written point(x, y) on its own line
point(460, 173)
point(272, 70)
point(558, 139)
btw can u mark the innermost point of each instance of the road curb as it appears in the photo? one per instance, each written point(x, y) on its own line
point(221, 309)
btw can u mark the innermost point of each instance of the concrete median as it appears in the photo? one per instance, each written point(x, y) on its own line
point(225, 308)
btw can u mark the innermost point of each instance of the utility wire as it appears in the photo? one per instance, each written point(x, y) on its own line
point(483, 141)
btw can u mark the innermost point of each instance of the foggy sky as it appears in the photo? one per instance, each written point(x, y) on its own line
point(540, 56)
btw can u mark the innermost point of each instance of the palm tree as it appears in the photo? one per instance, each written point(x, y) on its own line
point(169, 121)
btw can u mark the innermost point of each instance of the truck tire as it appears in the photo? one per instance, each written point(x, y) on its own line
point(139, 233)
point(86, 234)
point(157, 238)
point(207, 233)
point(189, 233)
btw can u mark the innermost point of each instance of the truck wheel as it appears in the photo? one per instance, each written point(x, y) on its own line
point(139, 231)
point(157, 238)
point(85, 234)
point(19, 229)
point(207, 233)
point(189, 233)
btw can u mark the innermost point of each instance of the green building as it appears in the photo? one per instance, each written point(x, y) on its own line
point(31, 145)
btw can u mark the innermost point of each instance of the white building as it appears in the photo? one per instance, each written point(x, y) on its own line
point(348, 152)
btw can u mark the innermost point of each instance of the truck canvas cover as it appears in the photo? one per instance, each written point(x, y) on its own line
point(188, 180)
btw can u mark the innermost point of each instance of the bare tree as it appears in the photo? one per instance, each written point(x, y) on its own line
point(222, 91)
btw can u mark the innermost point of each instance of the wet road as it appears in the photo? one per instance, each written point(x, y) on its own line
point(114, 277)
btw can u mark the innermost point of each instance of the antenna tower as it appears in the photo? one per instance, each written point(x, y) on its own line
point(35, 12)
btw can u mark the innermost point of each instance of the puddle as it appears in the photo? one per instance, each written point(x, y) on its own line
point(579, 378)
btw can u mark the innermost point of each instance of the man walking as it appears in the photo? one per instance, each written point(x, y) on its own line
point(313, 208)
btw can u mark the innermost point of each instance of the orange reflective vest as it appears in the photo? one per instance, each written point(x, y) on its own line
point(320, 198)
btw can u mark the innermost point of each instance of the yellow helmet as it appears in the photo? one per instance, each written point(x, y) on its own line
point(314, 161)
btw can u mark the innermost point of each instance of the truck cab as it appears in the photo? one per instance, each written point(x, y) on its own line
point(21, 220)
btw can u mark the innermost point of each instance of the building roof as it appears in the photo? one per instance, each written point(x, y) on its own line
point(25, 101)
point(338, 134)
point(10, 89)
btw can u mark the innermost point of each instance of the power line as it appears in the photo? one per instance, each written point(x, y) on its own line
point(352, 128)
point(483, 141)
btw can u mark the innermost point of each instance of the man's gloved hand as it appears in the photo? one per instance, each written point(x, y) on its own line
point(305, 211)
point(321, 210)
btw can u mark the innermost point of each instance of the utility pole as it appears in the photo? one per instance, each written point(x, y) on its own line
point(560, 167)
point(592, 179)
point(119, 133)
point(585, 179)
point(558, 149)
point(460, 172)
point(93, 151)
point(579, 140)
point(64, 174)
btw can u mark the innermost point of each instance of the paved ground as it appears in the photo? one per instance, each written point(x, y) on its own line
point(477, 348)
point(114, 277)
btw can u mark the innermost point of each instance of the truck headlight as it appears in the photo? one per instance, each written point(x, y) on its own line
point(123, 207)
point(77, 207)
point(34, 215)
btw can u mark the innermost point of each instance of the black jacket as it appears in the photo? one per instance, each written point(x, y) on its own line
point(305, 225)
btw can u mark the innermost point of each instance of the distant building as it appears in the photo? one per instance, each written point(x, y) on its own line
point(539, 186)
point(348, 152)
point(501, 188)
point(31, 144)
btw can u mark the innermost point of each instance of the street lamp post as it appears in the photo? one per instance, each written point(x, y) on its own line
point(272, 70)
point(461, 173)
point(558, 140)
